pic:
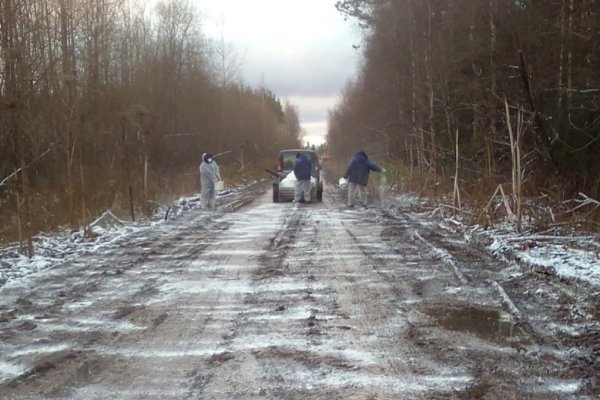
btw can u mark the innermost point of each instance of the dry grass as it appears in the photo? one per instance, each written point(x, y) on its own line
point(49, 203)
point(544, 209)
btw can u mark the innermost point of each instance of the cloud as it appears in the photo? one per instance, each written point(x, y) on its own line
point(293, 47)
point(301, 50)
point(319, 71)
point(313, 108)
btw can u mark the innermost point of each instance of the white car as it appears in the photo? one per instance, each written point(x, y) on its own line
point(283, 187)
point(287, 187)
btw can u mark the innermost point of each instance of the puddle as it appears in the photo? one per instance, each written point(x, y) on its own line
point(485, 323)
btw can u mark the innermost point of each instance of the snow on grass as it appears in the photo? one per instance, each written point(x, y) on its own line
point(573, 256)
point(566, 259)
point(52, 249)
point(571, 263)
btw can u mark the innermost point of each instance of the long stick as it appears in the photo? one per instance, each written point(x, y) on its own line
point(16, 172)
point(456, 194)
point(492, 198)
point(509, 212)
point(516, 164)
point(221, 153)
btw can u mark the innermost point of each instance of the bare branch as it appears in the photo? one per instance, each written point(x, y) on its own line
point(4, 181)
point(584, 200)
point(585, 146)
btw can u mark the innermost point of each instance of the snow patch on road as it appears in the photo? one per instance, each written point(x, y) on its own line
point(10, 371)
point(228, 286)
point(287, 286)
point(545, 385)
point(90, 325)
point(400, 384)
point(300, 344)
point(37, 350)
point(177, 350)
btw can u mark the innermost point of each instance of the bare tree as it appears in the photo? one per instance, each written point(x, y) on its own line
point(14, 94)
point(130, 94)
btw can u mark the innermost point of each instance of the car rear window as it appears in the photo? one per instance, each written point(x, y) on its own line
point(288, 158)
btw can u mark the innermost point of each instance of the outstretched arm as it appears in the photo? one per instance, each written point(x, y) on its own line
point(374, 167)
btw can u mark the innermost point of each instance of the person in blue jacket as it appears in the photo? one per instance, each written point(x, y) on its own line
point(357, 174)
point(302, 170)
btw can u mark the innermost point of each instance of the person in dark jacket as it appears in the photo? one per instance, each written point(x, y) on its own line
point(357, 174)
point(302, 170)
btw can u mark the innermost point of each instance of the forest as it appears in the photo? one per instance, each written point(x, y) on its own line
point(109, 104)
point(472, 99)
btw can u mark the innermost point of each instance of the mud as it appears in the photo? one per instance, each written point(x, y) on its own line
point(491, 325)
point(289, 301)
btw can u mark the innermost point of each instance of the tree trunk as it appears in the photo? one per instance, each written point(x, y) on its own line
point(146, 163)
point(491, 136)
point(68, 80)
point(84, 218)
point(429, 71)
point(546, 141)
point(417, 133)
point(14, 74)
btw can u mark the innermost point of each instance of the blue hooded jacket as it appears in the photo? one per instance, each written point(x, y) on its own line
point(302, 168)
point(359, 168)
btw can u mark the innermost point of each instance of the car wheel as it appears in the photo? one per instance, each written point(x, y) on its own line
point(276, 193)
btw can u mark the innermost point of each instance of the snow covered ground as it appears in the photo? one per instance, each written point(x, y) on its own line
point(302, 288)
point(576, 256)
point(53, 249)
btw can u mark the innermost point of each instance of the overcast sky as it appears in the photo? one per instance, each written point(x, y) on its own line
point(301, 50)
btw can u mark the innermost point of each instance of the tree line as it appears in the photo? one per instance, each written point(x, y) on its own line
point(461, 85)
point(110, 104)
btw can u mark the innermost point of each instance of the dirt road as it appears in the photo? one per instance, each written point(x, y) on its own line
point(290, 301)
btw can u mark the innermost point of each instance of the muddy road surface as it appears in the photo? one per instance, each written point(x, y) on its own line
point(293, 301)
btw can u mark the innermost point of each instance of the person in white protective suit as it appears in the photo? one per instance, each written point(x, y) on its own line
point(209, 176)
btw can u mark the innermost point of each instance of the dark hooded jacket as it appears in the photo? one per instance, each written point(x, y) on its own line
point(359, 168)
point(302, 168)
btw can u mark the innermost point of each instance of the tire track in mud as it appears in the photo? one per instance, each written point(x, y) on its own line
point(345, 298)
point(409, 287)
point(482, 270)
point(82, 286)
point(511, 290)
point(285, 301)
point(233, 357)
point(85, 297)
point(249, 345)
